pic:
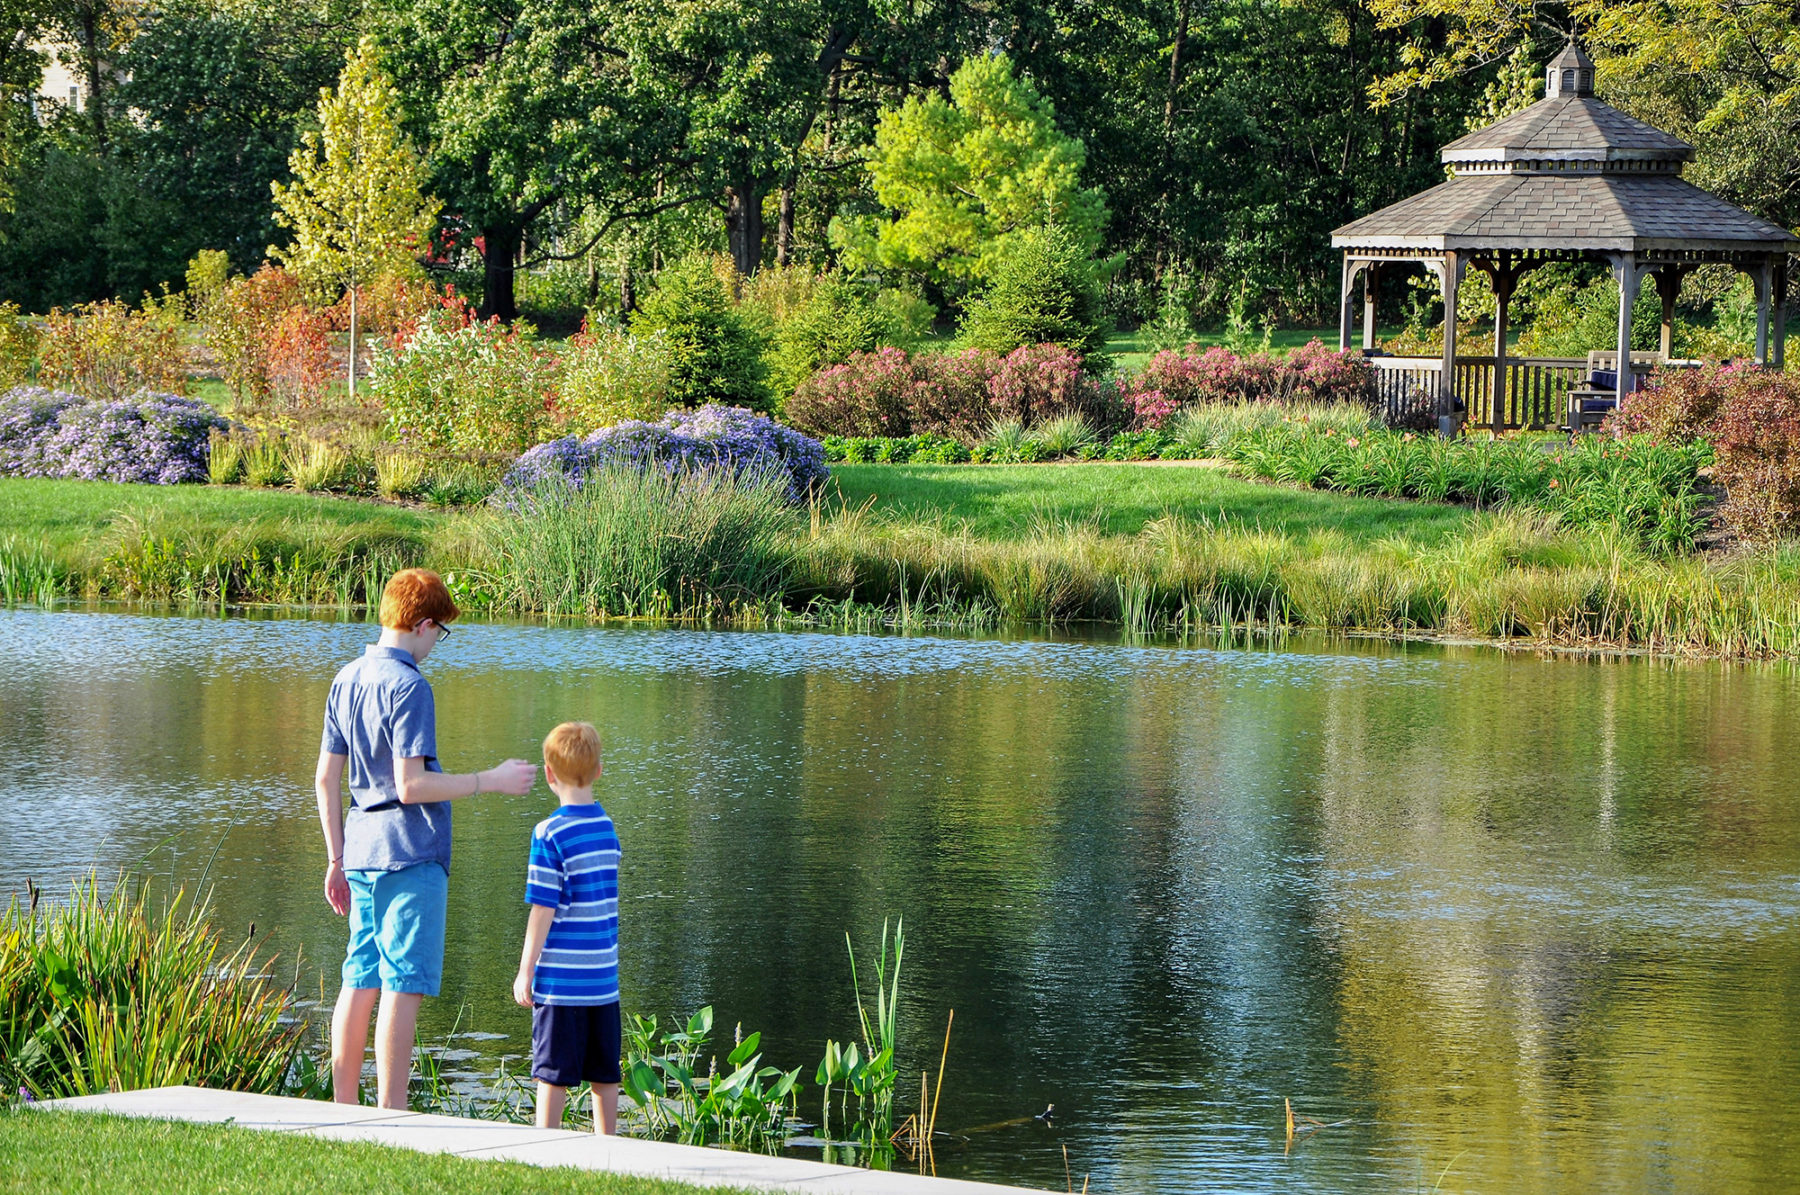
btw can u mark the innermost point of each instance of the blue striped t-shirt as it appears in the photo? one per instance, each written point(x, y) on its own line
point(575, 870)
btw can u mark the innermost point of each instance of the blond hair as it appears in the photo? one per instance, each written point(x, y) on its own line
point(572, 751)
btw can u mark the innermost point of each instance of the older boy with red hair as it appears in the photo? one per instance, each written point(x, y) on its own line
point(388, 863)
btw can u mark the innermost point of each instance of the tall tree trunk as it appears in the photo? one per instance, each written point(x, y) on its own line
point(627, 289)
point(744, 224)
point(88, 18)
point(1181, 32)
point(500, 250)
point(784, 228)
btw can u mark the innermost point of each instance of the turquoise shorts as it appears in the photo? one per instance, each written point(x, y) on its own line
point(397, 929)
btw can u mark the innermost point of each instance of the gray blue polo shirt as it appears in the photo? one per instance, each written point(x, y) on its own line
point(380, 710)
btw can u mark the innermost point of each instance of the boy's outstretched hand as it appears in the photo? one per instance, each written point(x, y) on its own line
point(514, 777)
point(522, 989)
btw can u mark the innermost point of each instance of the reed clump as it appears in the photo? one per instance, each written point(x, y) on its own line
point(1511, 574)
point(102, 992)
point(637, 543)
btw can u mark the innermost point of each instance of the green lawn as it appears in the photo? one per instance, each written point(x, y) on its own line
point(66, 512)
point(101, 1155)
point(993, 501)
point(1001, 501)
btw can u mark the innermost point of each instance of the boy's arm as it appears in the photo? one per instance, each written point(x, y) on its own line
point(417, 786)
point(537, 928)
point(328, 781)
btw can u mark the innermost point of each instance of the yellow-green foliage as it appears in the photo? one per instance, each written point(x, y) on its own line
point(966, 172)
point(107, 351)
point(101, 992)
point(18, 347)
point(608, 375)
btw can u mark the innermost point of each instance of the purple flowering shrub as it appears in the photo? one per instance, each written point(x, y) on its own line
point(711, 437)
point(156, 439)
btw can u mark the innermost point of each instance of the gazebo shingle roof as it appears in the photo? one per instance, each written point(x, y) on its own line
point(1567, 126)
point(1561, 211)
point(1567, 173)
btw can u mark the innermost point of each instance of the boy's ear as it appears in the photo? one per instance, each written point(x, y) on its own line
point(549, 773)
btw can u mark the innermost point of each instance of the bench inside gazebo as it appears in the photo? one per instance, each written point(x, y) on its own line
point(1568, 179)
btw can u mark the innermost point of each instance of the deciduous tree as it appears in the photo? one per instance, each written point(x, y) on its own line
point(355, 206)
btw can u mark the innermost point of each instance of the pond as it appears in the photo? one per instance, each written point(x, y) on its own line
point(1525, 923)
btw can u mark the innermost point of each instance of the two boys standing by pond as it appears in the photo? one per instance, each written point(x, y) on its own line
point(388, 871)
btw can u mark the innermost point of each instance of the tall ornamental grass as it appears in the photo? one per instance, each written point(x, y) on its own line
point(102, 992)
point(1514, 573)
point(637, 543)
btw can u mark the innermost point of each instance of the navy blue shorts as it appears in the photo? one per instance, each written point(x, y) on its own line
point(572, 1042)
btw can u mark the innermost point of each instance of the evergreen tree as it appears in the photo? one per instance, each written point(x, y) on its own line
point(1045, 291)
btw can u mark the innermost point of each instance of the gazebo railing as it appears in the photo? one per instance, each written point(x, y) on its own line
point(1535, 394)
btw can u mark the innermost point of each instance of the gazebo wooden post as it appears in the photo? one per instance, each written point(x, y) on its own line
point(1346, 302)
point(1505, 278)
point(1371, 292)
point(1778, 356)
point(1449, 274)
point(1630, 275)
point(1668, 289)
point(1765, 284)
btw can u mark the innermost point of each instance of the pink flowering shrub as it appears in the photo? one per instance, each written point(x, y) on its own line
point(954, 395)
point(1218, 376)
point(1751, 417)
point(1323, 375)
point(871, 394)
point(1037, 382)
point(1152, 407)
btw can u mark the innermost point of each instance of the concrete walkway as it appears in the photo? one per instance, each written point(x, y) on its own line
point(515, 1143)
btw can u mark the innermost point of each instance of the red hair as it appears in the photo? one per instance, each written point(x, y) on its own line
point(413, 596)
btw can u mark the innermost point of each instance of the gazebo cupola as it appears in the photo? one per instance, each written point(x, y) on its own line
point(1570, 178)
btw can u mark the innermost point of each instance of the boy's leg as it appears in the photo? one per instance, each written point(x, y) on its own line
point(395, 1029)
point(606, 1108)
point(361, 987)
point(409, 911)
point(551, 1100)
point(349, 1040)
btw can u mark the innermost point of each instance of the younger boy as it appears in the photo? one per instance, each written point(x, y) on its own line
point(569, 972)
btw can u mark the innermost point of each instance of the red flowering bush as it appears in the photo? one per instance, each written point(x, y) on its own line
point(1752, 418)
point(871, 394)
point(1679, 404)
point(1323, 375)
point(1312, 373)
point(1037, 382)
point(1152, 407)
point(956, 394)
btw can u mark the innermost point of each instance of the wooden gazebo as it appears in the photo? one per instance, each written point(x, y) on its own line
point(1567, 179)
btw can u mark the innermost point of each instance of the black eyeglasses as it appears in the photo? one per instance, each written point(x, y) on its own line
point(442, 630)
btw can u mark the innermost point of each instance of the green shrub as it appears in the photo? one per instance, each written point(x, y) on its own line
point(643, 543)
point(1146, 445)
point(835, 322)
point(715, 355)
point(1046, 291)
point(906, 317)
point(1009, 443)
point(609, 375)
point(896, 450)
point(464, 387)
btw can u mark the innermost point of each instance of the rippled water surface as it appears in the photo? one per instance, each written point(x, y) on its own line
point(1525, 924)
